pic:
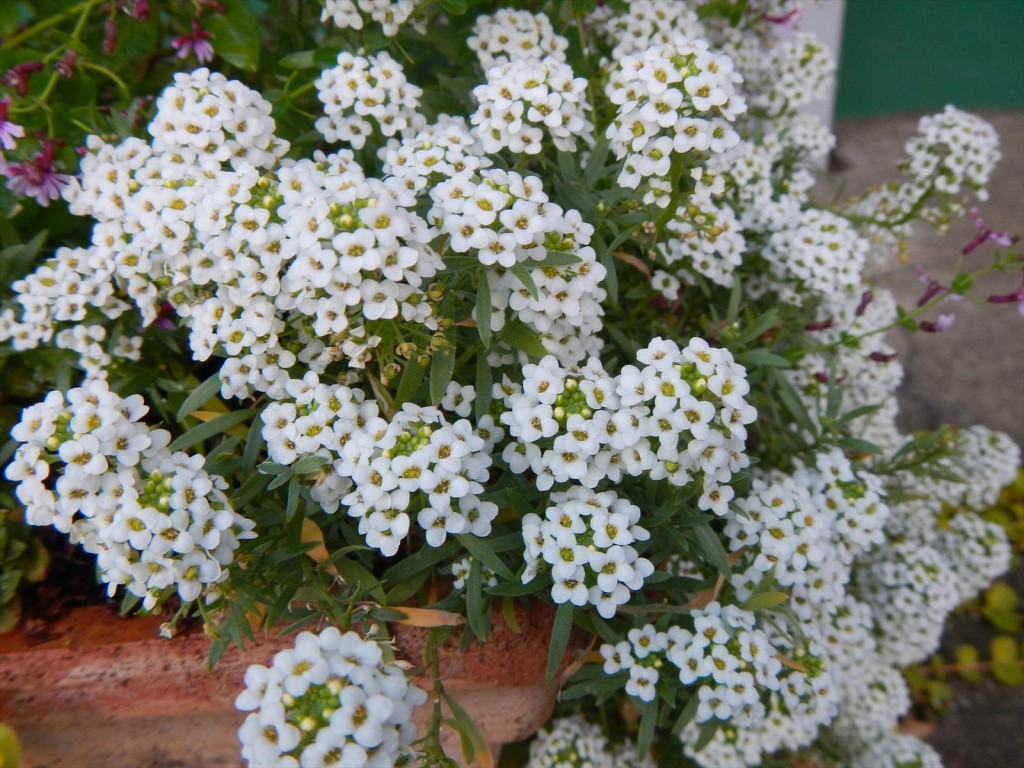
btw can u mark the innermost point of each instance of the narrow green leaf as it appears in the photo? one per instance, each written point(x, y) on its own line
point(467, 728)
point(411, 379)
point(753, 358)
point(758, 326)
point(299, 60)
point(522, 274)
point(733, 310)
point(707, 732)
point(484, 382)
point(517, 334)
point(253, 445)
point(860, 446)
point(711, 548)
point(645, 736)
point(307, 464)
point(481, 550)
point(442, 366)
point(557, 259)
point(424, 558)
point(476, 615)
point(689, 712)
point(559, 638)
point(354, 573)
point(765, 600)
point(199, 396)
point(212, 428)
point(483, 310)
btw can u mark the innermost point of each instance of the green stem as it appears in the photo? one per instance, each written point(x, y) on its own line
point(15, 40)
point(110, 75)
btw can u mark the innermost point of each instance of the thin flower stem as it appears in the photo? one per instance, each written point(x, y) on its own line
point(110, 75)
point(15, 40)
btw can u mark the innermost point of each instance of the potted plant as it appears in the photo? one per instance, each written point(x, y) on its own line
point(549, 344)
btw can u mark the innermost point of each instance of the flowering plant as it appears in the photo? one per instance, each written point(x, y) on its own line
point(557, 321)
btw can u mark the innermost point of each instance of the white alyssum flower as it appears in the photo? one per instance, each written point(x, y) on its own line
point(509, 34)
point(155, 519)
point(334, 699)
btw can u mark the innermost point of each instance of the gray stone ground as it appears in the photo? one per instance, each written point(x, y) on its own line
point(971, 374)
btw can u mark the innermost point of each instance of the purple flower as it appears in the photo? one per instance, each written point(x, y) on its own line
point(985, 233)
point(932, 289)
point(36, 178)
point(866, 298)
point(8, 130)
point(1009, 298)
point(198, 43)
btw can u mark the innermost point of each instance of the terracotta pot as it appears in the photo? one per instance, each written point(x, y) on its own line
point(501, 684)
point(108, 692)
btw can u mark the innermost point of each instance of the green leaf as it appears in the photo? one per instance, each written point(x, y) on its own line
point(711, 548)
point(456, 8)
point(764, 600)
point(199, 396)
point(354, 573)
point(689, 712)
point(858, 445)
point(517, 334)
point(299, 60)
point(308, 464)
point(483, 310)
point(442, 366)
point(481, 550)
point(482, 404)
point(476, 611)
point(474, 745)
point(648, 719)
point(753, 358)
point(559, 638)
point(522, 274)
point(236, 36)
point(758, 326)
point(411, 379)
point(557, 259)
point(707, 732)
point(212, 428)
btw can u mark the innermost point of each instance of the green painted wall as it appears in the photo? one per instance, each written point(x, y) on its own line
point(906, 55)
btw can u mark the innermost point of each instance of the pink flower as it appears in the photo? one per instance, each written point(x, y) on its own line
point(197, 43)
point(944, 323)
point(1009, 298)
point(8, 130)
point(984, 233)
point(17, 77)
point(36, 178)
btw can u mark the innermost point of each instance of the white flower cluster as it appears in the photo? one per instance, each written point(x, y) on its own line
point(507, 222)
point(911, 591)
point(788, 714)
point(875, 697)
point(796, 71)
point(524, 100)
point(817, 253)
point(381, 472)
point(514, 35)
point(587, 540)
point(704, 238)
point(897, 750)
point(332, 700)
point(645, 24)
point(156, 520)
point(57, 302)
point(680, 418)
point(671, 100)
point(438, 151)
point(949, 160)
point(349, 14)
point(806, 530)
point(572, 742)
point(363, 94)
